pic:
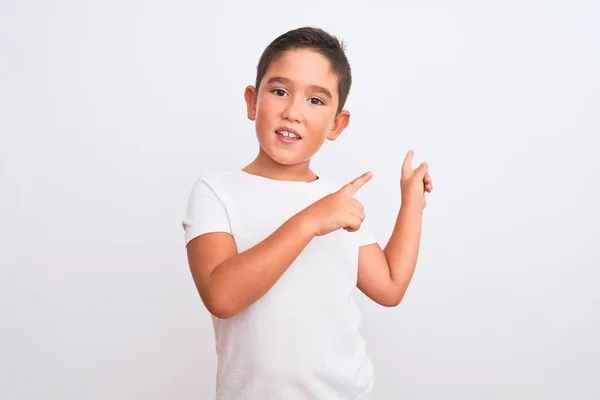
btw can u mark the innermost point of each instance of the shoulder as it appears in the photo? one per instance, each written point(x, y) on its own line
point(214, 186)
point(222, 177)
point(217, 181)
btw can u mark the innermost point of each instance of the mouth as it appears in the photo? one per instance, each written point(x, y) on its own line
point(288, 133)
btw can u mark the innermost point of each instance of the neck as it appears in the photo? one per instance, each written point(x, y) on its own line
point(265, 166)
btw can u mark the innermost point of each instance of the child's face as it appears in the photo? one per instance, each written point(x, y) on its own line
point(299, 92)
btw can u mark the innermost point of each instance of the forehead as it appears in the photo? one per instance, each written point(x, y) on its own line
point(304, 67)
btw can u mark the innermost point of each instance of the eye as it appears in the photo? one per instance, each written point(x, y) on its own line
point(316, 101)
point(279, 92)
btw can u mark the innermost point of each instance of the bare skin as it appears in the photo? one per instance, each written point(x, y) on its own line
point(229, 282)
point(299, 92)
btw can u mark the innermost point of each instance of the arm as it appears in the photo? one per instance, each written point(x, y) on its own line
point(229, 282)
point(384, 275)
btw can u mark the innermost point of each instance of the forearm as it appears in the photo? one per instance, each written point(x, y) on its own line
point(241, 280)
point(402, 250)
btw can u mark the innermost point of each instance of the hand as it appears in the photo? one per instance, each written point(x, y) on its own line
point(338, 210)
point(415, 182)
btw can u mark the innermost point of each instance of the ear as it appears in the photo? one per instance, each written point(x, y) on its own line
point(340, 123)
point(250, 96)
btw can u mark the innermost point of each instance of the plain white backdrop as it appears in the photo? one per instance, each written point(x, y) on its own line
point(109, 110)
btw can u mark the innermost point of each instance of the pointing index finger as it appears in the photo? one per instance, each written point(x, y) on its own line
point(353, 187)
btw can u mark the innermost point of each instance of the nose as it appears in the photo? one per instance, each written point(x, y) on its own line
point(293, 110)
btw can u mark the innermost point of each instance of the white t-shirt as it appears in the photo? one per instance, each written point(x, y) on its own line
point(301, 340)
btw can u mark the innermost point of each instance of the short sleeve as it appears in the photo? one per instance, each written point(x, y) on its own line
point(205, 212)
point(366, 236)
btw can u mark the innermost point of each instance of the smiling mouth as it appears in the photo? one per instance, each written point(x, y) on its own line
point(288, 135)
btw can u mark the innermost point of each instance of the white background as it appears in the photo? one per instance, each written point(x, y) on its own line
point(111, 109)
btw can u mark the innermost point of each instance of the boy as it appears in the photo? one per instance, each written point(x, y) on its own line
point(275, 250)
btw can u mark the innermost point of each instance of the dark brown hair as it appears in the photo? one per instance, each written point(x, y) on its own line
point(315, 39)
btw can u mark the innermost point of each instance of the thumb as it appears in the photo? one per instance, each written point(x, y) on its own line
point(352, 187)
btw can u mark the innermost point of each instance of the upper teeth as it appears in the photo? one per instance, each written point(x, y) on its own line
point(288, 134)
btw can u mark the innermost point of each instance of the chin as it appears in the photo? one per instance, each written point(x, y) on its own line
point(286, 159)
point(289, 161)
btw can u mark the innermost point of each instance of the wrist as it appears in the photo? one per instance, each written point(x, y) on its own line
point(411, 207)
point(304, 224)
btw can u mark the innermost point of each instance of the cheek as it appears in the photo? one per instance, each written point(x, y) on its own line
point(321, 122)
point(266, 109)
point(266, 100)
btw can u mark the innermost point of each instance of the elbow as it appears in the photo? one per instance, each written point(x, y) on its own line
point(393, 300)
point(220, 313)
point(391, 303)
point(220, 307)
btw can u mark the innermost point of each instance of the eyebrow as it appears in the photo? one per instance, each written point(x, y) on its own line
point(286, 81)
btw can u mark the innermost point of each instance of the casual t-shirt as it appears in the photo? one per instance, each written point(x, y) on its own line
point(301, 339)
